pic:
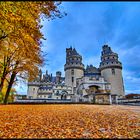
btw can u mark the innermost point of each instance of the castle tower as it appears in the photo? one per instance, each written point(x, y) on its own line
point(58, 77)
point(73, 68)
point(40, 75)
point(111, 70)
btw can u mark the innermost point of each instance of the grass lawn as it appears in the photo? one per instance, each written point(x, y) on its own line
point(69, 121)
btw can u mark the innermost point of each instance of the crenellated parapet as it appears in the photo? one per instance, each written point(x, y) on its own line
point(109, 59)
point(73, 59)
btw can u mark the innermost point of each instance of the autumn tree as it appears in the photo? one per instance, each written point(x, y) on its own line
point(20, 38)
point(3, 92)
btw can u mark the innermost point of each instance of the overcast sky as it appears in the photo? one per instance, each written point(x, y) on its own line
point(87, 27)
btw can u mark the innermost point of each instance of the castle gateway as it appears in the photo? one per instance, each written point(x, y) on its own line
point(103, 85)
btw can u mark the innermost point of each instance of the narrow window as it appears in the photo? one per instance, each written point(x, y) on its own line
point(72, 72)
point(72, 79)
point(57, 93)
point(113, 71)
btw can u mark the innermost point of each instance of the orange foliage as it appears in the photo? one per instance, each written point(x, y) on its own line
point(20, 35)
point(69, 121)
point(20, 38)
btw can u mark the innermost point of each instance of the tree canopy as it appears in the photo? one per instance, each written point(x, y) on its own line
point(20, 38)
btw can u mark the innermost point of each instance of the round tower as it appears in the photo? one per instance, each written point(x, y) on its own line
point(111, 70)
point(73, 68)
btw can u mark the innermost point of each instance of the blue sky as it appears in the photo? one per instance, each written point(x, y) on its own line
point(87, 27)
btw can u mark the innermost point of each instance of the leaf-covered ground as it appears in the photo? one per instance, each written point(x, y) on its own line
point(69, 121)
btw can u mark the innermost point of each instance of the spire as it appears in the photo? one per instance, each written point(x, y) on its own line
point(40, 74)
point(75, 52)
point(46, 72)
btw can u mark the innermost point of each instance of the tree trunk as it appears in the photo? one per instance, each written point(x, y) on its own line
point(2, 79)
point(9, 87)
point(1, 84)
point(11, 82)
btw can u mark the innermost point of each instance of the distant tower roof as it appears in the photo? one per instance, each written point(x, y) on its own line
point(40, 71)
point(91, 70)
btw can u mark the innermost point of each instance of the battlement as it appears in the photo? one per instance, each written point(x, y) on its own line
point(109, 58)
point(73, 59)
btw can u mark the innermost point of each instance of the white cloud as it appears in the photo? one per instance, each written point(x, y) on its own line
point(131, 76)
point(132, 91)
point(21, 87)
point(94, 60)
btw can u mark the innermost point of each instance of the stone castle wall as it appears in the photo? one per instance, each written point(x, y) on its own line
point(77, 73)
point(115, 80)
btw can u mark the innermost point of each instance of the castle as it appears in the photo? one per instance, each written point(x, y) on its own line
point(103, 85)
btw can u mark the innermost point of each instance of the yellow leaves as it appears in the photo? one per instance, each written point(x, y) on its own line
point(20, 26)
point(68, 121)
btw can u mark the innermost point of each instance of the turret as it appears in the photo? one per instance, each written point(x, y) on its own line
point(40, 75)
point(74, 67)
point(111, 70)
point(58, 77)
